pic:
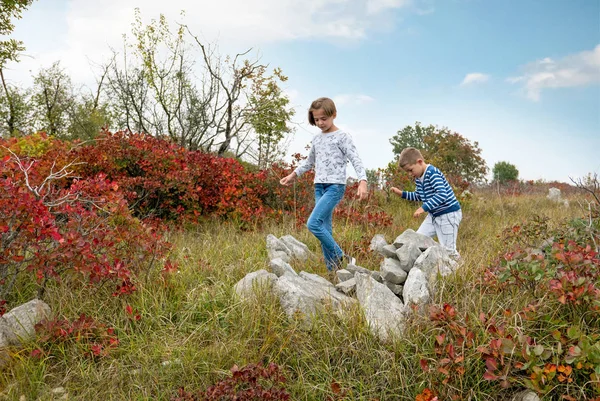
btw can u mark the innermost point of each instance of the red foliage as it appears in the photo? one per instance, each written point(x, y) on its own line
point(450, 345)
point(164, 180)
point(576, 281)
point(57, 226)
point(250, 383)
point(94, 338)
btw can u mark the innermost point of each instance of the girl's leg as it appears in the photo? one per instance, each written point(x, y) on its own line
point(327, 196)
point(319, 190)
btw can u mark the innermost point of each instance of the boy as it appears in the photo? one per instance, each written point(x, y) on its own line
point(444, 212)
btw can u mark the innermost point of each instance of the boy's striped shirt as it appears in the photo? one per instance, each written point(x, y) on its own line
point(435, 192)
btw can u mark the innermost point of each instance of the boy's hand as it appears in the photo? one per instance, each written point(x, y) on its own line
point(396, 191)
point(418, 212)
point(287, 180)
point(362, 190)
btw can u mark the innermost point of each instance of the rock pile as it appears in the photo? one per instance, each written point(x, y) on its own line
point(407, 275)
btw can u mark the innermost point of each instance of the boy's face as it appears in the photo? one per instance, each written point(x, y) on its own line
point(416, 170)
point(323, 121)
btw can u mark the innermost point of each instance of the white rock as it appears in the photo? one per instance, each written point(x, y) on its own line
point(383, 310)
point(246, 286)
point(281, 267)
point(19, 323)
point(377, 243)
point(389, 251)
point(297, 295)
point(348, 287)
point(344, 275)
point(410, 236)
point(415, 288)
point(392, 271)
point(277, 249)
point(407, 255)
point(298, 250)
point(435, 259)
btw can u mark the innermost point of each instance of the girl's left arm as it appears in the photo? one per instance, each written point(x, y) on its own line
point(352, 154)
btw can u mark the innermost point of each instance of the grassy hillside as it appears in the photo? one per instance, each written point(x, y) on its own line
point(187, 329)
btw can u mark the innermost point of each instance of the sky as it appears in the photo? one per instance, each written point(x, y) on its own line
point(519, 77)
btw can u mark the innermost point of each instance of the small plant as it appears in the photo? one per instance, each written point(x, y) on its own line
point(249, 383)
point(454, 338)
point(93, 339)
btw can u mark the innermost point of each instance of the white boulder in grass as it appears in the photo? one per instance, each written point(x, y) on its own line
point(278, 249)
point(411, 237)
point(252, 281)
point(298, 249)
point(303, 296)
point(281, 267)
point(384, 311)
point(392, 271)
point(434, 260)
point(407, 255)
point(18, 324)
point(415, 289)
point(377, 243)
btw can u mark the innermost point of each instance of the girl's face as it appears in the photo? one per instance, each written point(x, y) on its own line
point(324, 122)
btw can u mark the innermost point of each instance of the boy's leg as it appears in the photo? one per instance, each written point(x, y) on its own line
point(427, 227)
point(319, 222)
point(446, 227)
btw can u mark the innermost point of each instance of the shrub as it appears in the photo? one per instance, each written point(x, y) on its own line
point(249, 383)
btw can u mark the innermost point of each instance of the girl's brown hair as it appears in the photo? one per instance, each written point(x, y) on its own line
point(324, 103)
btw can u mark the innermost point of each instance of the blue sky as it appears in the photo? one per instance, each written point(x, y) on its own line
point(522, 78)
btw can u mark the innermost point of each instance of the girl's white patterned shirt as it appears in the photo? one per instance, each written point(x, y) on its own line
point(329, 155)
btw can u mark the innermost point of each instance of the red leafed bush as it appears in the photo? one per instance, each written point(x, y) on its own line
point(164, 180)
point(249, 383)
point(92, 338)
point(60, 227)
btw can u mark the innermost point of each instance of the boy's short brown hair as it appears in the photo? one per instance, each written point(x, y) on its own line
point(324, 103)
point(409, 156)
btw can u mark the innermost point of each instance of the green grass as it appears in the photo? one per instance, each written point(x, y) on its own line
point(193, 330)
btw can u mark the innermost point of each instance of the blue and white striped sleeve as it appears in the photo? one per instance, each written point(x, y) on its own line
point(442, 192)
point(411, 196)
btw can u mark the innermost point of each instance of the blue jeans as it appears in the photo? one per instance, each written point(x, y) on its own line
point(327, 196)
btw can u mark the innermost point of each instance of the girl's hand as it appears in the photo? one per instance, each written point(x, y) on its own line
point(418, 212)
point(287, 180)
point(362, 190)
point(396, 191)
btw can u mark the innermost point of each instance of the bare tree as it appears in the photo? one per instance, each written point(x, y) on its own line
point(208, 104)
point(591, 186)
point(51, 98)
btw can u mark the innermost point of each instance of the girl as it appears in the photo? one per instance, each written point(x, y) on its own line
point(328, 154)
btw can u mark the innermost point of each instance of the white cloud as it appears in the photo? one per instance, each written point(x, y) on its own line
point(352, 99)
point(89, 28)
point(249, 22)
point(475, 77)
point(377, 6)
point(579, 69)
